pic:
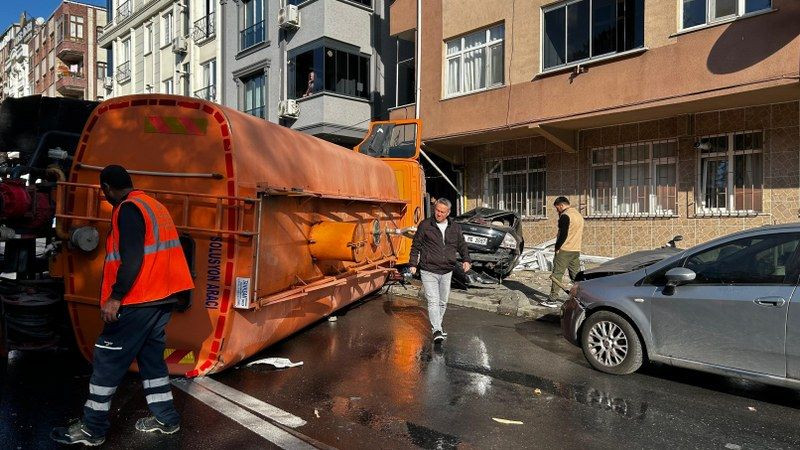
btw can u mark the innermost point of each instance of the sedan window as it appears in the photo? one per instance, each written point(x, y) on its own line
point(767, 259)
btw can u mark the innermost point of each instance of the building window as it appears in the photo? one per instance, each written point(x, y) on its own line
point(169, 86)
point(209, 89)
point(204, 26)
point(634, 180)
point(696, 13)
point(76, 27)
point(124, 10)
point(475, 61)
point(731, 173)
point(101, 70)
point(517, 184)
point(148, 38)
point(406, 75)
point(253, 27)
point(167, 28)
point(60, 29)
point(124, 68)
point(331, 70)
point(254, 97)
point(580, 30)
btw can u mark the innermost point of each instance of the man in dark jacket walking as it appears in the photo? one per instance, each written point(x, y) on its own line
point(434, 252)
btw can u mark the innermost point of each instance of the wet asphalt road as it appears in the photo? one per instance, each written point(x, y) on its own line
point(371, 379)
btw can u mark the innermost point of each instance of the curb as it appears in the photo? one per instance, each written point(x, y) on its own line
point(497, 299)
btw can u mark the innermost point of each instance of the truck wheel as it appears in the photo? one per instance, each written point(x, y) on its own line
point(610, 344)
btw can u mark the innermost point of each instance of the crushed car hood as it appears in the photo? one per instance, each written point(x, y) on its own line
point(485, 217)
point(629, 262)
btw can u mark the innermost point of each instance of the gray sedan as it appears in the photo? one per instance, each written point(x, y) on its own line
point(729, 306)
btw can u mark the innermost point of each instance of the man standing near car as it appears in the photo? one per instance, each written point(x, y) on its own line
point(568, 248)
point(433, 251)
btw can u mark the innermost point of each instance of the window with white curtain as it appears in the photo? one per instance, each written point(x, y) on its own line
point(638, 179)
point(474, 62)
point(167, 28)
point(731, 173)
point(516, 184)
point(695, 13)
point(169, 86)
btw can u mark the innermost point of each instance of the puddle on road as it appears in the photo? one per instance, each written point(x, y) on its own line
point(426, 438)
point(584, 395)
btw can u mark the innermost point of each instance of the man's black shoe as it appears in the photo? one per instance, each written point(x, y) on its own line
point(437, 336)
point(75, 433)
point(151, 425)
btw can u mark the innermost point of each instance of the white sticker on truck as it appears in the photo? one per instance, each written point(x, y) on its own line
point(242, 293)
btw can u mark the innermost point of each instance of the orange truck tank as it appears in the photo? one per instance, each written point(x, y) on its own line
point(280, 228)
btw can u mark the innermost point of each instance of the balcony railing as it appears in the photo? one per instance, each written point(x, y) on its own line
point(258, 112)
point(124, 10)
point(252, 35)
point(204, 28)
point(634, 201)
point(71, 83)
point(207, 93)
point(124, 72)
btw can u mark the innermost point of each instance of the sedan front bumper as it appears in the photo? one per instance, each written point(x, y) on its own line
point(572, 316)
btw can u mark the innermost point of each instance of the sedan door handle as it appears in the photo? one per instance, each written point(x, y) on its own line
point(770, 301)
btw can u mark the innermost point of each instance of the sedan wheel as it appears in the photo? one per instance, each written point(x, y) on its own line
point(610, 344)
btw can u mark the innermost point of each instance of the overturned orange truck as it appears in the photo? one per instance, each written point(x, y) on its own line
point(279, 228)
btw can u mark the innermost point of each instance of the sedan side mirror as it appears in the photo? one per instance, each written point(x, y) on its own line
point(676, 277)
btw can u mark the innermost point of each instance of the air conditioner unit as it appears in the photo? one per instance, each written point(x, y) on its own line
point(108, 82)
point(179, 45)
point(289, 17)
point(289, 109)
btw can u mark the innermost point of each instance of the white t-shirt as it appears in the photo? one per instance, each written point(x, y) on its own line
point(442, 226)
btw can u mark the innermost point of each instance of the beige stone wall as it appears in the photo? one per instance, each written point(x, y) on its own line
point(568, 174)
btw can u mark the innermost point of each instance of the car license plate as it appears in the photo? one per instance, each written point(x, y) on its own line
point(475, 239)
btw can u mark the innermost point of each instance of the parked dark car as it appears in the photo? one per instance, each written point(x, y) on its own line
point(494, 238)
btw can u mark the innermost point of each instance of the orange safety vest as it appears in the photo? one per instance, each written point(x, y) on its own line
point(164, 270)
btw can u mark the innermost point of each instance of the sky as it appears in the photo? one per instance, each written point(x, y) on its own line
point(11, 9)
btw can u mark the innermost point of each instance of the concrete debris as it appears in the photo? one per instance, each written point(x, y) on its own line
point(278, 363)
point(507, 421)
point(537, 391)
point(540, 257)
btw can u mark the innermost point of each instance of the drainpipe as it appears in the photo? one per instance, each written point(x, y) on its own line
point(418, 61)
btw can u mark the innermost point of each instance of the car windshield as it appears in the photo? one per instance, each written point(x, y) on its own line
point(389, 140)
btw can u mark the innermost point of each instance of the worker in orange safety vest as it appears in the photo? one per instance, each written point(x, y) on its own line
point(144, 269)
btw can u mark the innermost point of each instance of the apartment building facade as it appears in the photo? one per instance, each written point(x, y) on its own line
point(65, 56)
point(162, 46)
point(655, 117)
point(15, 57)
point(315, 66)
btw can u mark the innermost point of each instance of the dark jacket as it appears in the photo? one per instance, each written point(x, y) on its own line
point(432, 254)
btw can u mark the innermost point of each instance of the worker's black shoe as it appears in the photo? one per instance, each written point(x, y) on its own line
point(151, 425)
point(437, 336)
point(75, 433)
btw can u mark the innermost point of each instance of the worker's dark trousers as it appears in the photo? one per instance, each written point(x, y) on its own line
point(138, 334)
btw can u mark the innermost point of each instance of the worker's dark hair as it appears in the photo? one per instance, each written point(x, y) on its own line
point(561, 201)
point(116, 177)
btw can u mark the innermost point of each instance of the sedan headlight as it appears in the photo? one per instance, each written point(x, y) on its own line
point(509, 241)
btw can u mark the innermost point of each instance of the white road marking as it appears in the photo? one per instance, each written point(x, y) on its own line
point(252, 422)
point(240, 398)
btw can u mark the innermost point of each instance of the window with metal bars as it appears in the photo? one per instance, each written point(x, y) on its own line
point(517, 184)
point(731, 177)
point(634, 180)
